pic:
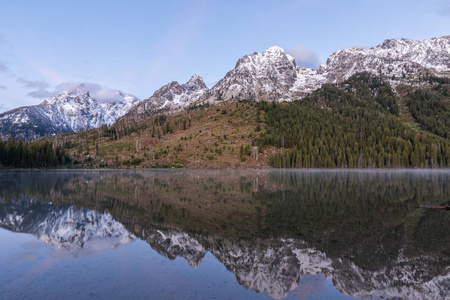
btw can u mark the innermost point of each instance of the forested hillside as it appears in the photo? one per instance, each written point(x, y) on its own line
point(361, 123)
point(356, 125)
point(431, 107)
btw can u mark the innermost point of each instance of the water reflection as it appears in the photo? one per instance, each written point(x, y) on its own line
point(74, 230)
point(364, 230)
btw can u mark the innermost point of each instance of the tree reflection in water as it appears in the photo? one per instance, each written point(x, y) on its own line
point(363, 229)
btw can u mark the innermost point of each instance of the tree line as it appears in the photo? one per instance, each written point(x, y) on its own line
point(32, 154)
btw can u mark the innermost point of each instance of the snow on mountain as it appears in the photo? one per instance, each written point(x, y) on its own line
point(68, 111)
point(268, 75)
point(402, 58)
point(172, 97)
point(273, 75)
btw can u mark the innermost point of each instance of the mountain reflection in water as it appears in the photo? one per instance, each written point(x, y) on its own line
point(364, 230)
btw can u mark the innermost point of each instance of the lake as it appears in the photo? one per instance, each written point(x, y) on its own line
point(224, 234)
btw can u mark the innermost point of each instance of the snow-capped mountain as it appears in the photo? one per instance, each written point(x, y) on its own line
point(66, 228)
point(273, 75)
point(68, 111)
point(402, 58)
point(268, 75)
point(172, 97)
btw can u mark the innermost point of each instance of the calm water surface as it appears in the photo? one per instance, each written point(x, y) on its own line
point(205, 234)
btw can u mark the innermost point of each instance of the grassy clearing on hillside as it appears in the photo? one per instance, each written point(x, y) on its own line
point(218, 137)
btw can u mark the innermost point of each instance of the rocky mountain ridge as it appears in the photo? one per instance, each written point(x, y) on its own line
point(172, 97)
point(69, 111)
point(402, 59)
point(273, 75)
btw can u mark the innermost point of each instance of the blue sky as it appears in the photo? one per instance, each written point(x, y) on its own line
point(138, 46)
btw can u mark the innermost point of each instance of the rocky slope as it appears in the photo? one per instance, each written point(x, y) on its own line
point(172, 97)
point(68, 111)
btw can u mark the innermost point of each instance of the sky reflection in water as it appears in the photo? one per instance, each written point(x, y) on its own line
point(224, 234)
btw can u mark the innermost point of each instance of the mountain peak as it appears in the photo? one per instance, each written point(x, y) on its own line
point(195, 77)
point(172, 96)
point(79, 90)
point(196, 82)
point(394, 43)
point(67, 111)
point(274, 50)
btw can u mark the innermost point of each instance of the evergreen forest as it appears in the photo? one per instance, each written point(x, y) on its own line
point(32, 154)
point(357, 125)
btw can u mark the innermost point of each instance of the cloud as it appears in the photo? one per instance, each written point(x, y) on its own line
point(40, 84)
point(96, 91)
point(2, 87)
point(40, 94)
point(304, 57)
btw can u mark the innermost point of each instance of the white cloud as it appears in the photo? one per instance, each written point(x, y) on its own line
point(2, 87)
point(304, 57)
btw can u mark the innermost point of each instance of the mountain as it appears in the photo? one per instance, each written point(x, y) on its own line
point(273, 75)
point(68, 111)
point(172, 97)
point(401, 59)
